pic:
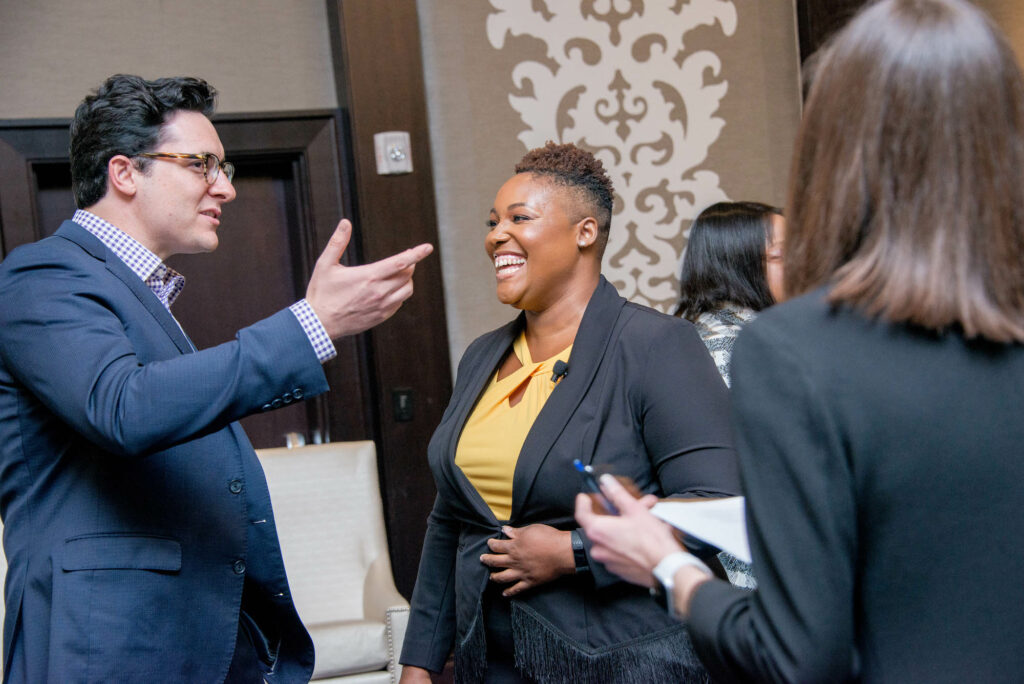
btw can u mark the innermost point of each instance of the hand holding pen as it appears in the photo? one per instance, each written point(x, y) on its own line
point(591, 487)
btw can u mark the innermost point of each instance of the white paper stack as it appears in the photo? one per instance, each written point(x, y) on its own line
point(719, 522)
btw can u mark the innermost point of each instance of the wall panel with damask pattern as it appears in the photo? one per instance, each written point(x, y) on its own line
point(687, 102)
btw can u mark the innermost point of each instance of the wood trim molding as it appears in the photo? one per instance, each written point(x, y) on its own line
point(378, 71)
point(311, 138)
point(817, 20)
point(22, 145)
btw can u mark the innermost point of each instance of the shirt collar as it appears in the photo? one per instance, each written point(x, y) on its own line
point(164, 281)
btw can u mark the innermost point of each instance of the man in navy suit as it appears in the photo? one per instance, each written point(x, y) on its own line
point(137, 523)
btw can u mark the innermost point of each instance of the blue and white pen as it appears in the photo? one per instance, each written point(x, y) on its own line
point(590, 485)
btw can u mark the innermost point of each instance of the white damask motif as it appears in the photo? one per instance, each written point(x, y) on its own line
point(618, 80)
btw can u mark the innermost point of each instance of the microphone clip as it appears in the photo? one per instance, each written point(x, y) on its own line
point(561, 369)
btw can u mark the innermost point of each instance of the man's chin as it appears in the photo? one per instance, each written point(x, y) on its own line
point(208, 244)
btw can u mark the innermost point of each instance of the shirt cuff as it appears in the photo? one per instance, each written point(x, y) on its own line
point(314, 330)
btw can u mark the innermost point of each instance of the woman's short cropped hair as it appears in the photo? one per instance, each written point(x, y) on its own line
point(725, 259)
point(907, 188)
point(575, 168)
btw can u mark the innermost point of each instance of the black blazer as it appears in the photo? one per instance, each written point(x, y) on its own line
point(134, 507)
point(883, 466)
point(641, 397)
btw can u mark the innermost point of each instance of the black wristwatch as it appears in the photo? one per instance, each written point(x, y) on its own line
point(579, 553)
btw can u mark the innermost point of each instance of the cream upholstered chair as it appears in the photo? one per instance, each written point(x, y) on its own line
point(331, 524)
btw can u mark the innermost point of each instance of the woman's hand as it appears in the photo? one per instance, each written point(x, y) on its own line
point(414, 675)
point(531, 556)
point(629, 544)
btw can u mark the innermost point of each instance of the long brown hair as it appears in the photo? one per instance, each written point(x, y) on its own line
point(907, 188)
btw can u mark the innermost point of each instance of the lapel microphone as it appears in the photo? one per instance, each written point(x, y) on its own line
point(561, 369)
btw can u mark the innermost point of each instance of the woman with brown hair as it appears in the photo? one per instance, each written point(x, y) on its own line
point(878, 415)
point(505, 577)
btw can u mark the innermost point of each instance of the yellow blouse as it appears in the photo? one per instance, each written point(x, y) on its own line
point(495, 431)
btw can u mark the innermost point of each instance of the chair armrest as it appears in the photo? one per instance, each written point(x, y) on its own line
point(396, 621)
point(379, 592)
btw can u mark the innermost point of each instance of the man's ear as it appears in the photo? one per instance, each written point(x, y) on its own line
point(586, 232)
point(121, 175)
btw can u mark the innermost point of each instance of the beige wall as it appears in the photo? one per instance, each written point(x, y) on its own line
point(1009, 15)
point(709, 112)
point(263, 55)
point(271, 56)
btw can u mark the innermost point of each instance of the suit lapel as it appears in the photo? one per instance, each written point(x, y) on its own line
point(592, 341)
point(478, 375)
point(70, 230)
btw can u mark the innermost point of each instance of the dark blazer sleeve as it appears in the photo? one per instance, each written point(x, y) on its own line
point(685, 417)
point(65, 341)
point(801, 513)
point(430, 634)
point(681, 413)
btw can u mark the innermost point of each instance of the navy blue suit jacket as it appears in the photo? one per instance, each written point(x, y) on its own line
point(134, 507)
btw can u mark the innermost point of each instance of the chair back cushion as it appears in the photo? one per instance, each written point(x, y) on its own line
point(330, 522)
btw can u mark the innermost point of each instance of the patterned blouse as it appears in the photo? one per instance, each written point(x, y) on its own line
point(719, 329)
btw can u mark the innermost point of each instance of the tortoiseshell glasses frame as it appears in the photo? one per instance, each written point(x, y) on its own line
point(212, 165)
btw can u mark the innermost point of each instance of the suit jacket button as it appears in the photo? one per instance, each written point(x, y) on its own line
point(277, 403)
point(287, 397)
point(238, 567)
point(267, 407)
point(235, 486)
point(297, 393)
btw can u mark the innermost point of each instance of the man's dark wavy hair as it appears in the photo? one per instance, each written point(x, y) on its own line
point(125, 116)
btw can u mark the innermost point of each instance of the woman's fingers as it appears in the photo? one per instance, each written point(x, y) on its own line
point(496, 560)
point(507, 576)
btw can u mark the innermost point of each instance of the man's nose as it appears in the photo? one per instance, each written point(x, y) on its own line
point(223, 188)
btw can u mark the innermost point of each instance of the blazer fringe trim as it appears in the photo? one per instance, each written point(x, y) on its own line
point(548, 657)
point(471, 652)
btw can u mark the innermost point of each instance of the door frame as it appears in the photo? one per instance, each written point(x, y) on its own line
point(314, 138)
point(409, 351)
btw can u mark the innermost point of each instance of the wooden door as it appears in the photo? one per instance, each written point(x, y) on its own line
point(294, 175)
point(289, 183)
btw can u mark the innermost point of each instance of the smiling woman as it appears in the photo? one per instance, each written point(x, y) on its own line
point(579, 374)
point(548, 229)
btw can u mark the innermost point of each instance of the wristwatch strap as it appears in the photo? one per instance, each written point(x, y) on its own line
point(579, 553)
point(665, 577)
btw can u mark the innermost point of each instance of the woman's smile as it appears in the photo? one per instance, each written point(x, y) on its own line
point(507, 265)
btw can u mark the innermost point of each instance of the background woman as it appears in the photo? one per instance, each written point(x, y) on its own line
point(879, 415)
point(732, 269)
point(505, 576)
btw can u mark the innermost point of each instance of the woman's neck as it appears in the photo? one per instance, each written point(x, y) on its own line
point(553, 329)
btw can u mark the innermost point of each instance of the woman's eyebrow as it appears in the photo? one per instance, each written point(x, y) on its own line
point(514, 205)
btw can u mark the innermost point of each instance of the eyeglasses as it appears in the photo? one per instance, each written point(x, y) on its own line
point(212, 165)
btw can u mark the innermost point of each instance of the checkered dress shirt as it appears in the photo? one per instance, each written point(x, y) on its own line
point(166, 283)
